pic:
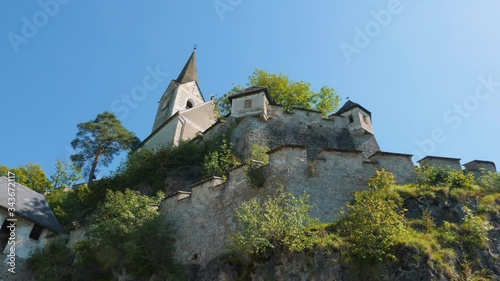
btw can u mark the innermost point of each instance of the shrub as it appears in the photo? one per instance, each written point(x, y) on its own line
point(87, 266)
point(258, 158)
point(474, 230)
point(490, 180)
point(279, 223)
point(121, 214)
point(52, 262)
point(436, 176)
point(153, 167)
point(383, 179)
point(374, 224)
point(150, 249)
point(220, 161)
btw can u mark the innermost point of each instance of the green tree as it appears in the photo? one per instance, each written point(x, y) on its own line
point(279, 223)
point(32, 176)
point(55, 268)
point(99, 140)
point(3, 170)
point(121, 213)
point(129, 231)
point(66, 174)
point(374, 224)
point(383, 179)
point(288, 93)
point(220, 161)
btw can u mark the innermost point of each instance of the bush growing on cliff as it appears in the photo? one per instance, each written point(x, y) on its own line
point(258, 158)
point(436, 176)
point(490, 180)
point(474, 231)
point(153, 167)
point(127, 231)
point(52, 262)
point(383, 179)
point(373, 227)
point(220, 161)
point(279, 223)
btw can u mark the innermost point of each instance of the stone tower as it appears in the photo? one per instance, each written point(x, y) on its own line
point(182, 93)
point(182, 111)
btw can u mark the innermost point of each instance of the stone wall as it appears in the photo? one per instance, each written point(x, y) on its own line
point(299, 127)
point(205, 217)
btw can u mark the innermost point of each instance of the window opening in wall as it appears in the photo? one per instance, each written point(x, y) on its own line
point(248, 103)
point(351, 119)
point(36, 232)
point(4, 235)
point(189, 104)
point(366, 119)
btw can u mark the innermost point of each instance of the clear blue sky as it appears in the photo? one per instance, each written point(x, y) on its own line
point(416, 66)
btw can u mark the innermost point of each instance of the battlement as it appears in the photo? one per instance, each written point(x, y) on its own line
point(442, 162)
point(480, 167)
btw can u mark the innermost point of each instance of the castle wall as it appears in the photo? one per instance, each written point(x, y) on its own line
point(400, 165)
point(206, 218)
point(301, 127)
point(479, 167)
point(442, 162)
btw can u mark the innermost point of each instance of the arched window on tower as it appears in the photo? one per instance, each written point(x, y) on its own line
point(189, 104)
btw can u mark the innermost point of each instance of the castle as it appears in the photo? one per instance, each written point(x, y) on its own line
point(328, 158)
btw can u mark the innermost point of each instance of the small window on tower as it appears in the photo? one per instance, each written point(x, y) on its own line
point(248, 103)
point(36, 232)
point(351, 119)
point(189, 104)
point(165, 105)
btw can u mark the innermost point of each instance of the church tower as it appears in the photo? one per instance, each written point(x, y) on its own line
point(182, 112)
point(182, 93)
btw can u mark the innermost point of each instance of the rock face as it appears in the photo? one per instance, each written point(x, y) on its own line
point(319, 265)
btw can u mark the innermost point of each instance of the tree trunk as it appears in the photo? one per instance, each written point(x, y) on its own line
point(94, 165)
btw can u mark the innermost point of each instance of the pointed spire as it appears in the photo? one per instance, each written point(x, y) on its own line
point(189, 72)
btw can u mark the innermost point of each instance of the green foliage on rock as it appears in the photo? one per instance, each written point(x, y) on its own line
point(127, 231)
point(151, 250)
point(279, 223)
point(436, 176)
point(220, 161)
point(52, 262)
point(121, 214)
point(374, 224)
point(490, 180)
point(153, 166)
point(258, 158)
point(290, 94)
point(474, 231)
point(66, 205)
point(383, 179)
